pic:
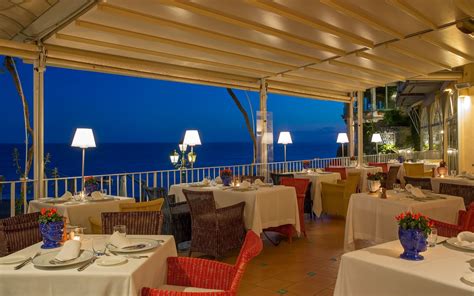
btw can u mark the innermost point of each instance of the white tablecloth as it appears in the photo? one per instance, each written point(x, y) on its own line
point(125, 279)
point(373, 219)
point(316, 180)
point(78, 214)
point(265, 207)
point(451, 180)
point(363, 171)
point(378, 271)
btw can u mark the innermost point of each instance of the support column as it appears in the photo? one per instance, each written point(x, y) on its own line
point(350, 126)
point(263, 112)
point(360, 128)
point(373, 98)
point(38, 125)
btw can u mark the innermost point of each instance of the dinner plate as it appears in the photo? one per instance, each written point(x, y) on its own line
point(72, 203)
point(265, 185)
point(454, 242)
point(148, 245)
point(12, 259)
point(199, 185)
point(469, 277)
point(43, 260)
point(101, 199)
point(111, 260)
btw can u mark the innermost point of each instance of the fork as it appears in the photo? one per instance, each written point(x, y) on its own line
point(27, 261)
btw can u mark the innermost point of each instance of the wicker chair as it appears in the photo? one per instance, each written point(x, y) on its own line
point(341, 170)
point(335, 197)
point(200, 277)
point(276, 177)
point(424, 183)
point(382, 165)
point(154, 192)
point(177, 219)
point(251, 179)
point(391, 177)
point(146, 206)
point(19, 232)
point(308, 202)
point(465, 223)
point(416, 170)
point(214, 231)
point(464, 191)
point(147, 223)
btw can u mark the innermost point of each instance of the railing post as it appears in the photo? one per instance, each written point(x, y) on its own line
point(12, 199)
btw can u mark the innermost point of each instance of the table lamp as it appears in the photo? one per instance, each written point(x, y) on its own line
point(342, 138)
point(284, 138)
point(83, 138)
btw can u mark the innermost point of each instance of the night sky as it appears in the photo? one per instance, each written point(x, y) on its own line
point(128, 109)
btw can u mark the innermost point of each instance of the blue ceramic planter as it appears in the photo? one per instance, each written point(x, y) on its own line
point(52, 234)
point(226, 180)
point(413, 242)
point(91, 188)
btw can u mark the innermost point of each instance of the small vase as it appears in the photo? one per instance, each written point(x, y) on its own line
point(374, 185)
point(226, 180)
point(52, 233)
point(88, 189)
point(413, 242)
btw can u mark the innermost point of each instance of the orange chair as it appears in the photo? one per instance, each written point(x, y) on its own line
point(465, 223)
point(338, 169)
point(382, 165)
point(201, 277)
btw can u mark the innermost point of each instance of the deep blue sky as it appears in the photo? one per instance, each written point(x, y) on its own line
point(128, 109)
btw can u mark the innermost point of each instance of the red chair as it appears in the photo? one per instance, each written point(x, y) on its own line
point(465, 223)
point(338, 169)
point(383, 165)
point(199, 277)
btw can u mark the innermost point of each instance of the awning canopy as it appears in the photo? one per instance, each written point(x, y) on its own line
point(319, 49)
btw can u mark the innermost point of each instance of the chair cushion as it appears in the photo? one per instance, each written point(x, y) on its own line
point(185, 289)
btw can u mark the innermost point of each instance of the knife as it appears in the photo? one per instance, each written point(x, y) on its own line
point(27, 261)
point(87, 264)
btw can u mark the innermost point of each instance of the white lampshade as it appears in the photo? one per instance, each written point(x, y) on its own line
point(342, 138)
point(83, 138)
point(191, 138)
point(285, 138)
point(376, 138)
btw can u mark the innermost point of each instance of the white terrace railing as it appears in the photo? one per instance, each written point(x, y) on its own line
point(132, 184)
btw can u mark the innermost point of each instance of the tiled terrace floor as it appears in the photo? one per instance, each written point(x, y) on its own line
point(307, 266)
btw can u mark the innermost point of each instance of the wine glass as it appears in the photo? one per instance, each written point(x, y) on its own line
point(270, 182)
point(432, 237)
point(396, 187)
point(453, 173)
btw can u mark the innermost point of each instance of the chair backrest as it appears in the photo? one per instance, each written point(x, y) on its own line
point(391, 177)
point(251, 248)
point(154, 205)
point(464, 191)
point(251, 179)
point(147, 223)
point(301, 185)
point(382, 165)
point(276, 177)
point(466, 218)
point(337, 169)
point(200, 202)
point(18, 232)
point(414, 169)
point(424, 183)
point(154, 192)
point(352, 183)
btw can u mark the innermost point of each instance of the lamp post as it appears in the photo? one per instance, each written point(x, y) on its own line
point(342, 139)
point(376, 138)
point(83, 138)
point(284, 138)
point(191, 138)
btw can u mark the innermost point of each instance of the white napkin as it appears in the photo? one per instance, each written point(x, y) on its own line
point(258, 182)
point(66, 196)
point(119, 240)
point(70, 250)
point(466, 239)
point(245, 184)
point(415, 191)
point(319, 171)
point(218, 180)
point(97, 195)
point(206, 181)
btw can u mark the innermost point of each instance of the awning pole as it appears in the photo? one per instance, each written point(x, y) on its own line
point(350, 126)
point(38, 121)
point(360, 128)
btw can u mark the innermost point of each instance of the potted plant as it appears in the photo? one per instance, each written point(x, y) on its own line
point(91, 184)
point(374, 181)
point(226, 176)
point(51, 226)
point(306, 164)
point(413, 231)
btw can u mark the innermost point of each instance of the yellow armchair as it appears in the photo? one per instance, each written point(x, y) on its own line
point(416, 170)
point(335, 197)
point(154, 205)
point(96, 225)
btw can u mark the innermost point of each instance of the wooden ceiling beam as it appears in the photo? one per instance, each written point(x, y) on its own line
point(366, 70)
point(317, 90)
point(377, 59)
point(413, 12)
point(362, 16)
point(440, 76)
point(311, 22)
point(411, 54)
point(449, 48)
point(322, 80)
point(249, 24)
point(467, 6)
point(345, 76)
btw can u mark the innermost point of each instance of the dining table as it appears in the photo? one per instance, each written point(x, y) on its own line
point(316, 178)
point(78, 212)
point(265, 206)
point(125, 279)
point(458, 180)
point(363, 171)
point(371, 218)
point(378, 270)
point(427, 166)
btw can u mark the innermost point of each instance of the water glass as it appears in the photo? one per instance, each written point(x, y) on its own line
point(432, 237)
point(78, 233)
point(270, 181)
point(121, 229)
point(99, 245)
point(103, 191)
point(453, 173)
point(397, 187)
point(77, 196)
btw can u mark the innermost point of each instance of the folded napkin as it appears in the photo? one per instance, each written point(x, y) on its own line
point(258, 182)
point(119, 240)
point(66, 196)
point(415, 191)
point(69, 251)
point(97, 195)
point(206, 181)
point(319, 171)
point(466, 239)
point(245, 184)
point(218, 180)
